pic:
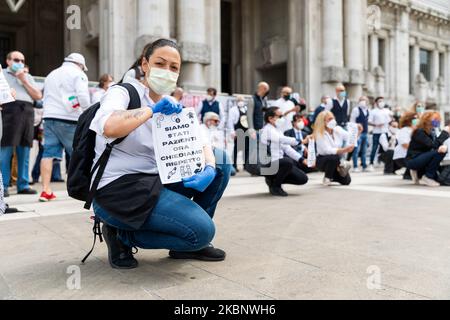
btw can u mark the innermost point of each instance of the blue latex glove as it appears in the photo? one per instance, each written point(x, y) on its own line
point(200, 182)
point(167, 106)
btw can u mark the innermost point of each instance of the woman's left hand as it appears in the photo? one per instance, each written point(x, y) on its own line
point(200, 182)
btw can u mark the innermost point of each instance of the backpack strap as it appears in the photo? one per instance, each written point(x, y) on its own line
point(135, 103)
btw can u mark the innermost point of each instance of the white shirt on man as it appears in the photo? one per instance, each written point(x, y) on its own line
point(280, 145)
point(286, 106)
point(328, 144)
point(60, 85)
point(380, 118)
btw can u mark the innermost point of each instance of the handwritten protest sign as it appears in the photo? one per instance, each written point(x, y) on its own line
point(353, 133)
point(447, 143)
point(178, 146)
point(311, 154)
point(5, 90)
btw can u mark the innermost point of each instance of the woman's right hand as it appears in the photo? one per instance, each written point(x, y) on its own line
point(443, 149)
point(167, 106)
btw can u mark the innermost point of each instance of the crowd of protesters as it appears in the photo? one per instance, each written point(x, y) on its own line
point(412, 143)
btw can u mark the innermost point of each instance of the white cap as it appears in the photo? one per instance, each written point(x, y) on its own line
point(77, 58)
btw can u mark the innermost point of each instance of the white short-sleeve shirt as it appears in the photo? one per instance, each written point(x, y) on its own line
point(136, 153)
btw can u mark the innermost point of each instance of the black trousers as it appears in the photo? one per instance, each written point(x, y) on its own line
point(289, 172)
point(237, 148)
point(390, 166)
point(401, 163)
point(329, 165)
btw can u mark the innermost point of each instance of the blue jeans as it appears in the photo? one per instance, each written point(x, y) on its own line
point(361, 149)
point(426, 164)
point(23, 162)
point(58, 136)
point(375, 145)
point(176, 223)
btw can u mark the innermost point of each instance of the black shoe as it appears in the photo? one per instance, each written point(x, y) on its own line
point(58, 181)
point(209, 254)
point(269, 182)
point(11, 210)
point(119, 255)
point(278, 192)
point(6, 193)
point(27, 192)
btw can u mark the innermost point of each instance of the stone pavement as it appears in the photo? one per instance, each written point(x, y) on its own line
point(381, 238)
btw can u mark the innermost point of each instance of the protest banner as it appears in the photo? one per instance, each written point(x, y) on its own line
point(178, 146)
point(5, 90)
point(312, 157)
point(353, 132)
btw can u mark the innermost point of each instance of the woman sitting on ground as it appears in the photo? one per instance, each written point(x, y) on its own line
point(285, 160)
point(330, 142)
point(408, 123)
point(427, 150)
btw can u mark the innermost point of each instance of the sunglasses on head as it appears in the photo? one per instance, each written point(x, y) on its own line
point(19, 60)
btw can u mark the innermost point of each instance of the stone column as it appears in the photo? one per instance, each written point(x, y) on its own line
point(354, 46)
point(447, 74)
point(153, 22)
point(402, 57)
point(295, 63)
point(333, 38)
point(373, 52)
point(117, 36)
point(214, 40)
point(191, 31)
point(435, 65)
point(332, 44)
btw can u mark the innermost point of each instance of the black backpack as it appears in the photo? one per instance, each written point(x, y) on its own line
point(81, 166)
point(444, 176)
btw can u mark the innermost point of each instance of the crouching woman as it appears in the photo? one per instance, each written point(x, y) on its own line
point(137, 211)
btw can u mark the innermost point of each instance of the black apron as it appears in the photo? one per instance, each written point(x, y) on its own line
point(131, 198)
point(18, 124)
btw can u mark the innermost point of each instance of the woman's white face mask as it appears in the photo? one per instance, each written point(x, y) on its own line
point(162, 81)
point(280, 123)
point(332, 124)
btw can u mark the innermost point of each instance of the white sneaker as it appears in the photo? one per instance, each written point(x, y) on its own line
point(430, 182)
point(326, 182)
point(415, 177)
point(370, 168)
point(356, 170)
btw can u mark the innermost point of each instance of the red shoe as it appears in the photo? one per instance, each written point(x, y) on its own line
point(47, 197)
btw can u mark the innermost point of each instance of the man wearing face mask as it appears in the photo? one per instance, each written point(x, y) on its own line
point(388, 143)
point(66, 96)
point(379, 118)
point(326, 104)
point(18, 122)
point(340, 106)
point(256, 109)
point(287, 107)
point(298, 133)
point(360, 116)
point(210, 104)
point(238, 121)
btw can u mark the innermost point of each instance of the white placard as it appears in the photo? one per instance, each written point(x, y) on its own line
point(353, 132)
point(447, 157)
point(311, 153)
point(5, 90)
point(178, 146)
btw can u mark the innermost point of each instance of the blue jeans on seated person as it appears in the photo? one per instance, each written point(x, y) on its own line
point(177, 222)
point(426, 164)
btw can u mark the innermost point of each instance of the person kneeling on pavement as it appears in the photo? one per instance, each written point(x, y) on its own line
point(427, 149)
point(284, 158)
point(137, 211)
point(330, 142)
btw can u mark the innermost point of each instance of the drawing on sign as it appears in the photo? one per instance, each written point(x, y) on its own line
point(178, 146)
point(186, 172)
